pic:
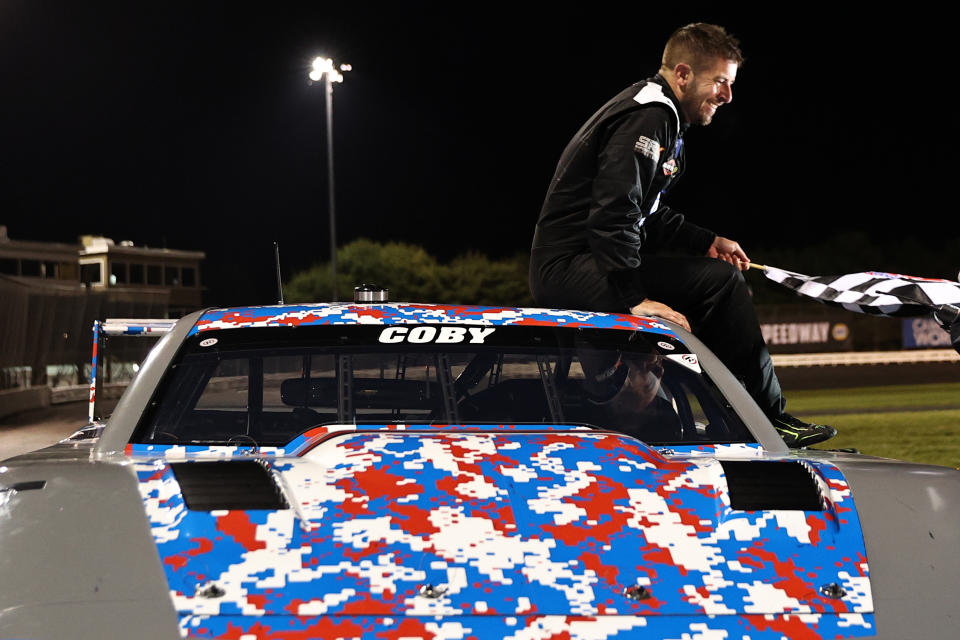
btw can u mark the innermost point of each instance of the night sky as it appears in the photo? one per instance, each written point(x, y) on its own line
point(193, 125)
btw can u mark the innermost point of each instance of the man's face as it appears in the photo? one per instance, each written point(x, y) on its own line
point(707, 89)
point(641, 384)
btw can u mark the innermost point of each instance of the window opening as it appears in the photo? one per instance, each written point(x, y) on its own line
point(275, 385)
point(90, 273)
point(118, 273)
point(307, 362)
point(344, 389)
point(550, 389)
point(254, 394)
point(31, 268)
point(497, 371)
point(447, 390)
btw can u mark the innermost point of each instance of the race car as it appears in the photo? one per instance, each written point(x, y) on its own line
point(388, 471)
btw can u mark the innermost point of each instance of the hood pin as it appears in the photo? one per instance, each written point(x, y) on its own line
point(832, 590)
point(637, 592)
point(211, 590)
point(432, 592)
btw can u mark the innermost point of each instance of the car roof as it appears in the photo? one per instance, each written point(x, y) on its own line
point(130, 409)
point(299, 315)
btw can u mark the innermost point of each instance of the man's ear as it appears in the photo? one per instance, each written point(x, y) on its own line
point(683, 74)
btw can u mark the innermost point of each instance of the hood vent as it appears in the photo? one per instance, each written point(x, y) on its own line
point(242, 486)
point(764, 486)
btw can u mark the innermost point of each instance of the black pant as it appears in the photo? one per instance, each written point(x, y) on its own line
point(712, 294)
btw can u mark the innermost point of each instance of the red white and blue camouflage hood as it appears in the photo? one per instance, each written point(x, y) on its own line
point(466, 532)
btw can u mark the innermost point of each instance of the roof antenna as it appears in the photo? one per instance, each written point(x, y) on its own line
point(276, 253)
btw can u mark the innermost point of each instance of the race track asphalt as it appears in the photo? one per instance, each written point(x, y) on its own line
point(32, 430)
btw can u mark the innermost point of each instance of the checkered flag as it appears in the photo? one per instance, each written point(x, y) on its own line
point(872, 292)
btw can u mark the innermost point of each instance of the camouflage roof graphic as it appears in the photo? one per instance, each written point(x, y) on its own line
point(311, 315)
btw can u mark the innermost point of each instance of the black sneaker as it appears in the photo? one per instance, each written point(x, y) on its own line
point(797, 433)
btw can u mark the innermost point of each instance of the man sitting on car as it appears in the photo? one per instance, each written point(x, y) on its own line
point(603, 232)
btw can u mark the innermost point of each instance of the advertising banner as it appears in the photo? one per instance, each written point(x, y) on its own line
point(806, 328)
point(794, 337)
point(924, 333)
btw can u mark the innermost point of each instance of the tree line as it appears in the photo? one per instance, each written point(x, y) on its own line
point(412, 274)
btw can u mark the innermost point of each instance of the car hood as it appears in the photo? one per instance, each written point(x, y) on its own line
point(77, 556)
point(495, 532)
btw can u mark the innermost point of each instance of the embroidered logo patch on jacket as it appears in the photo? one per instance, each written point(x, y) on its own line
point(648, 148)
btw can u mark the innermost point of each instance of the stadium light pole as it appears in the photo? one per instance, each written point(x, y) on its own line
point(326, 69)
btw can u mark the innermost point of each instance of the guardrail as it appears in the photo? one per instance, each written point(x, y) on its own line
point(14, 401)
point(864, 357)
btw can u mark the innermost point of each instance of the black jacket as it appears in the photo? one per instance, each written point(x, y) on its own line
point(604, 198)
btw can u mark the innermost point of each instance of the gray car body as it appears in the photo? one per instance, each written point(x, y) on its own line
point(77, 558)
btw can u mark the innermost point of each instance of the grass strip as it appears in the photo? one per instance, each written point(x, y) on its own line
point(929, 437)
point(893, 398)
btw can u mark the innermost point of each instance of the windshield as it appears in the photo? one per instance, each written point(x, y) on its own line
point(267, 386)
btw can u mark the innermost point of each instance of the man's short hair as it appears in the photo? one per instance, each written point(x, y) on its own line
point(698, 44)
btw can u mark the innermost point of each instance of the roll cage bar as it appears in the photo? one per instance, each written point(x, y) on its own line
point(144, 328)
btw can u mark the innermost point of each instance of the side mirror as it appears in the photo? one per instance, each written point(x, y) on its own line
point(89, 431)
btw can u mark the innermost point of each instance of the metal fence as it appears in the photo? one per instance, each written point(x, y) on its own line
point(46, 330)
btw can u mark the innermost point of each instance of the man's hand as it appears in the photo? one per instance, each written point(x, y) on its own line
point(729, 251)
point(651, 308)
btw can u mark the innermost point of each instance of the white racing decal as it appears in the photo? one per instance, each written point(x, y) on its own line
point(209, 342)
point(666, 346)
point(688, 360)
point(439, 335)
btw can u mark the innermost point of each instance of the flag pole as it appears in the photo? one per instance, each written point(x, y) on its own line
point(754, 265)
